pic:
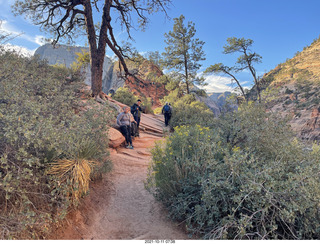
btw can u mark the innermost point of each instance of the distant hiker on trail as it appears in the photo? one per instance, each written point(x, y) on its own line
point(167, 112)
point(124, 120)
point(111, 92)
point(136, 112)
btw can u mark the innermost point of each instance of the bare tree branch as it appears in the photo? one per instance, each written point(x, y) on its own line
point(63, 17)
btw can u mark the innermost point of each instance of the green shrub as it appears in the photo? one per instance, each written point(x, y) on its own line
point(179, 165)
point(250, 198)
point(191, 114)
point(188, 111)
point(125, 96)
point(246, 179)
point(38, 126)
point(315, 100)
point(287, 102)
point(172, 97)
point(201, 93)
point(157, 110)
point(253, 129)
point(288, 91)
point(146, 105)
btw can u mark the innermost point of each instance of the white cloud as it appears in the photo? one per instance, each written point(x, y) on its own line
point(40, 40)
point(246, 83)
point(7, 27)
point(246, 71)
point(21, 50)
point(258, 73)
point(218, 83)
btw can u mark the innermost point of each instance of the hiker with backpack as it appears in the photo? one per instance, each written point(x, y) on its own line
point(167, 112)
point(136, 112)
point(124, 120)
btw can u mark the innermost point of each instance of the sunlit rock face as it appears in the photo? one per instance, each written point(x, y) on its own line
point(66, 55)
point(297, 82)
point(111, 80)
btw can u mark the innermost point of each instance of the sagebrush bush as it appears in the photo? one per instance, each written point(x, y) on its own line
point(38, 126)
point(125, 96)
point(253, 129)
point(251, 198)
point(179, 165)
point(157, 110)
point(146, 105)
point(172, 97)
point(247, 178)
point(187, 110)
point(191, 112)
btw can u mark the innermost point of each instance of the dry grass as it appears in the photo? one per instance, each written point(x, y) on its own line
point(76, 172)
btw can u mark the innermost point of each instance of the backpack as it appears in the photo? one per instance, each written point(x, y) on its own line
point(166, 109)
point(134, 129)
point(134, 109)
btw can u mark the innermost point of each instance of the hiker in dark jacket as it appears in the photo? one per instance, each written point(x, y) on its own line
point(124, 121)
point(136, 112)
point(167, 112)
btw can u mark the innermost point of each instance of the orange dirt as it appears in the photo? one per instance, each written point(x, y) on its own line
point(119, 207)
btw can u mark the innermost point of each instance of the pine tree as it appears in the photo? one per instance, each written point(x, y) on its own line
point(244, 61)
point(184, 52)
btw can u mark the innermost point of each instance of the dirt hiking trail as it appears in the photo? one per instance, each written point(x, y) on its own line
point(119, 207)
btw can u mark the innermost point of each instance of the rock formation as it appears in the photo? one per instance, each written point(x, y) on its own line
point(144, 86)
point(220, 98)
point(297, 82)
point(115, 138)
point(311, 129)
point(67, 55)
point(210, 103)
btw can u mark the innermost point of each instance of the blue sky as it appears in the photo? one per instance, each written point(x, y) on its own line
point(279, 28)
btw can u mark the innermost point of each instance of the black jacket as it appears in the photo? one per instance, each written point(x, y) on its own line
point(136, 112)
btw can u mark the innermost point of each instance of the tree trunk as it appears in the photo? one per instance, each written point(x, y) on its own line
point(238, 83)
point(96, 75)
point(258, 91)
point(95, 82)
point(256, 82)
point(187, 83)
point(186, 72)
point(253, 74)
point(97, 52)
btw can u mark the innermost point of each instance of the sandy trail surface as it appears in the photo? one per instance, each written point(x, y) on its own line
point(119, 207)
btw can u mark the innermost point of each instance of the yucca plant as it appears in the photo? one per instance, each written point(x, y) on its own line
point(42, 120)
point(75, 172)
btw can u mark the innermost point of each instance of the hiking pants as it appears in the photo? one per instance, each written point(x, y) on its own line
point(126, 132)
point(167, 117)
point(137, 119)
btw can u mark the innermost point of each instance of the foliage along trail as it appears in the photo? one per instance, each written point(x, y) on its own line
point(119, 207)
